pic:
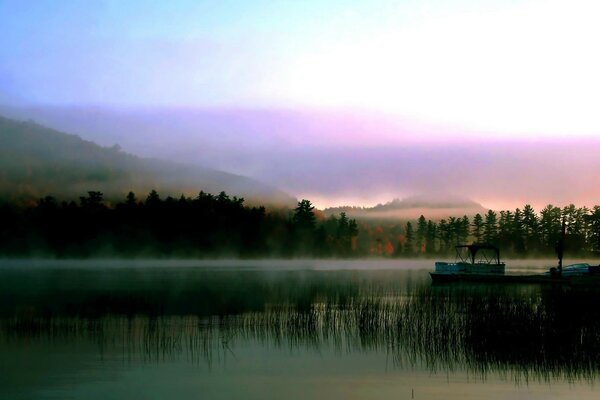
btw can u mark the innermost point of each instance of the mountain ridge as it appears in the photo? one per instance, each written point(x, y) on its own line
point(413, 206)
point(36, 161)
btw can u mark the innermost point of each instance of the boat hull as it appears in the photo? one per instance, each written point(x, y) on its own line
point(589, 281)
point(468, 268)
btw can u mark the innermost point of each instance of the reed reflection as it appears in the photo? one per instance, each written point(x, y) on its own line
point(524, 332)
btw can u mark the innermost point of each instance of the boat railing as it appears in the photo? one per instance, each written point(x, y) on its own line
point(478, 253)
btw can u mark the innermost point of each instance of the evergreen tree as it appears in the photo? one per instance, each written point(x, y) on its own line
point(518, 232)
point(346, 230)
point(304, 224)
point(431, 236)
point(575, 227)
point(490, 227)
point(550, 226)
point(421, 234)
point(593, 220)
point(463, 231)
point(130, 200)
point(94, 200)
point(452, 230)
point(443, 235)
point(530, 228)
point(477, 228)
point(505, 226)
point(409, 243)
point(304, 216)
point(153, 199)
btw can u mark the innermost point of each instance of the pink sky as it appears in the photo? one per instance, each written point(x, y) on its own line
point(350, 158)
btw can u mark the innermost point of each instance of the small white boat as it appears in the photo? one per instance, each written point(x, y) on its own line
point(578, 269)
point(477, 258)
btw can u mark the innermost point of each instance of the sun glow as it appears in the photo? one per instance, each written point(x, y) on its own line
point(529, 68)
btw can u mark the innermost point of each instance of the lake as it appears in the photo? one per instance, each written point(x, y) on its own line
point(288, 329)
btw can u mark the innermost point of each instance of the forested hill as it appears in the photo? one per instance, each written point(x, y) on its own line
point(411, 207)
point(36, 161)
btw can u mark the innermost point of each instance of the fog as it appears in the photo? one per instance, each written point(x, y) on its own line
point(512, 265)
point(345, 158)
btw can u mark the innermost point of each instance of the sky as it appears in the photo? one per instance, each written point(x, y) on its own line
point(444, 71)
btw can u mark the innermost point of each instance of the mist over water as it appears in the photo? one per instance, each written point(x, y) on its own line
point(304, 327)
point(275, 265)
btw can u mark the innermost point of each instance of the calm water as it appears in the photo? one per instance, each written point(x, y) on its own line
point(294, 330)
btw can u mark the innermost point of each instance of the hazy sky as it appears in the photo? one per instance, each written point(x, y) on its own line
point(350, 101)
point(507, 67)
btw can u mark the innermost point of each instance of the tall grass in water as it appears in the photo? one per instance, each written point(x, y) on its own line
point(521, 332)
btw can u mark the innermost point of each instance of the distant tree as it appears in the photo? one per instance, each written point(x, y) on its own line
point(130, 200)
point(346, 230)
point(505, 226)
point(550, 226)
point(304, 216)
point(343, 226)
point(490, 227)
point(321, 248)
point(443, 235)
point(431, 235)
point(575, 227)
point(47, 203)
point(453, 230)
point(593, 220)
point(421, 234)
point(304, 224)
point(518, 232)
point(92, 201)
point(477, 228)
point(153, 199)
point(463, 229)
point(409, 243)
point(530, 228)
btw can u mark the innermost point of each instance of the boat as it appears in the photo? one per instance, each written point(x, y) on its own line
point(578, 269)
point(480, 263)
point(471, 259)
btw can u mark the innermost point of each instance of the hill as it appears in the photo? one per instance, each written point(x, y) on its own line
point(412, 207)
point(36, 161)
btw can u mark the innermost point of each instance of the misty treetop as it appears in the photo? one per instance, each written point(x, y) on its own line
point(205, 226)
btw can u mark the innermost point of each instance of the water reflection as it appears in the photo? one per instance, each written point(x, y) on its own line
point(522, 332)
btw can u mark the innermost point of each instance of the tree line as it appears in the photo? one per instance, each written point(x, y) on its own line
point(204, 226)
point(522, 232)
point(223, 226)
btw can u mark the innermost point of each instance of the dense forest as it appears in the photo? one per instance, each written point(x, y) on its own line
point(519, 233)
point(223, 226)
point(204, 226)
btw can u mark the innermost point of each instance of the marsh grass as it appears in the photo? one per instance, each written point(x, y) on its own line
point(522, 333)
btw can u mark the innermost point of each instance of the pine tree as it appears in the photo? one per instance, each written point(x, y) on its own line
point(550, 226)
point(530, 228)
point(463, 232)
point(304, 216)
point(410, 240)
point(593, 221)
point(490, 227)
point(421, 234)
point(431, 236)
point(518, 233)
point(477, 228)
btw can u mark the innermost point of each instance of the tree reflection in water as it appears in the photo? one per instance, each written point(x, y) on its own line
point(522, 332)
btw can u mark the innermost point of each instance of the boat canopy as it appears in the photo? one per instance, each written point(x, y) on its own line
point(480, 253)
